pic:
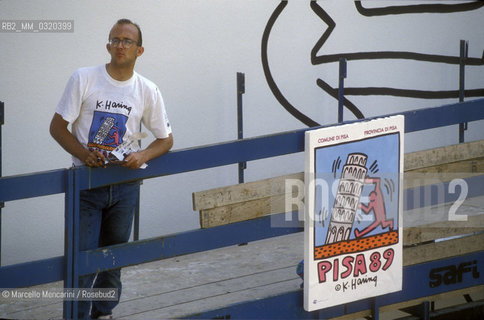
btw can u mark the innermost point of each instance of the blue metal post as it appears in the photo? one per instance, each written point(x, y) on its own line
point(342, 76)
point(464, 46)
point(137, 206)
point(76, 232)
point(426, 310)
point(136, 218)
point(240, 117)
point(375, 309)
point(71, 246)
point(68, 242)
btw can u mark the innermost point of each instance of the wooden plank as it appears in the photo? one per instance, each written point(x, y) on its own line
point(439, 230)
point(475, 165)
point(443, 173)
point(444, 249)
point(442, 155)
point(242, 211)
point(242, 192)
point(215, 302)
point(211, 295)
point(441, 300)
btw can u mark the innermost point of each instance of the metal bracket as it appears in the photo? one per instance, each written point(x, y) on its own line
point(240, 118)
point(2, 113)
point(464, 49)
point(342, 76)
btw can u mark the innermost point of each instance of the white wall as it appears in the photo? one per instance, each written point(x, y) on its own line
point(193, 50)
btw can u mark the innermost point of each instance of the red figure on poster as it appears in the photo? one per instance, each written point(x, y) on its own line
point(376, 204)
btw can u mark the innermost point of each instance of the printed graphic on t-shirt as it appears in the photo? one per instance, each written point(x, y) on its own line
point(107, 130)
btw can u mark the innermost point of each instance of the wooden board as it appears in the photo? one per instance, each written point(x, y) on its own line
point(220, 197)
point(443, 155)
point(442, 249)
point(242, 211)
point(439, 230)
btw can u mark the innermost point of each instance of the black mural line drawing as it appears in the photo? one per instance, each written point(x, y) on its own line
point(370, 91)
point(267, 72)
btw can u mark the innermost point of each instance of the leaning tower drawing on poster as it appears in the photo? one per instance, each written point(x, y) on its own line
point(347, 198)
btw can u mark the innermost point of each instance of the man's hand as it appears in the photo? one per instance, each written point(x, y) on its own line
point(157, 148)
point(95, 159)
point(59, 131)
point(133, 160)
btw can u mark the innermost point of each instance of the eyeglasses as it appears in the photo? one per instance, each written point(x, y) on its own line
point(126, 43)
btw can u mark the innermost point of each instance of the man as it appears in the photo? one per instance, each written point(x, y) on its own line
point(105, 105)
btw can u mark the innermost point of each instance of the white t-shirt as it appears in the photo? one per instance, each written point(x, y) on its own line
point(104, 111)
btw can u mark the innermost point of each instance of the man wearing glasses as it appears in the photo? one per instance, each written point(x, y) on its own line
point(105, 106)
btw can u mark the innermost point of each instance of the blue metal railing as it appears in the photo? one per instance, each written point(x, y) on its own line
point(71, 181)
point(289, 305)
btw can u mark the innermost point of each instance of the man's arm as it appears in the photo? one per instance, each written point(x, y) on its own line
point(59, 131)
point(365, 209)
point(375, 181)
point(157, 148)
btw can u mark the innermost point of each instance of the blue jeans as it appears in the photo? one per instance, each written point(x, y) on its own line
point(105, 217)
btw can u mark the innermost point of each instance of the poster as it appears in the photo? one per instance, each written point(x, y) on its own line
point(353, 228)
